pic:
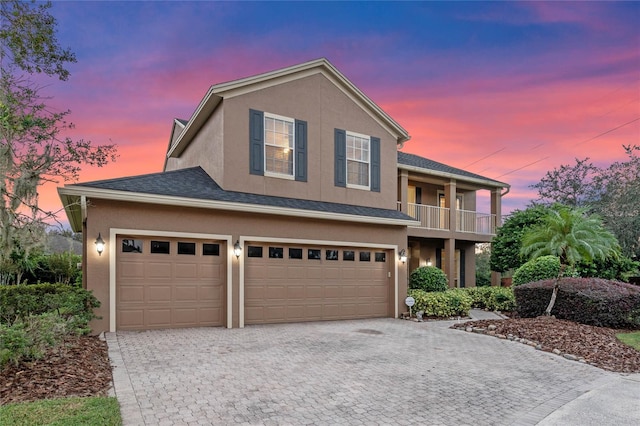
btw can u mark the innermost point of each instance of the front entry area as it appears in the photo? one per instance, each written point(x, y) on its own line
point(164, 282)
point(296, 283)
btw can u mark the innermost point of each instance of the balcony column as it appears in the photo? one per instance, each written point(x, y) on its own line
point(496, 209)
point(450, 203)
point(449, 264)
point(496, 206)
point(403, 186)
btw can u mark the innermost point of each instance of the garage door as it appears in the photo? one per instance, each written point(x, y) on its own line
point(169, 283)
point(287, 283)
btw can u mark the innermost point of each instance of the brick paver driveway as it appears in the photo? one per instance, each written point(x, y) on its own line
point(370, 372)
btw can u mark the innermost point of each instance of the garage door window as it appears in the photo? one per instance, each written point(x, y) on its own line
point(187, 248)
point(348, 255)
point(131, 246)
point(210, 249)
point(365, 256)
point(276, 252)
point(160, 247)
point(332, 255)
point(254, 251)
point(314, 254)
point(295, 253)
point(381, 257)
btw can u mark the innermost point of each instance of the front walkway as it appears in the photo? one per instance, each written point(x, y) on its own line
point(383, 371)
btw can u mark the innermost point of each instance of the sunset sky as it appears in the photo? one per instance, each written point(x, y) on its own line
point(505, 90)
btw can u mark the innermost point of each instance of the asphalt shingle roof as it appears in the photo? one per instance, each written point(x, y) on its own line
point(425, 163)
point(195, 183)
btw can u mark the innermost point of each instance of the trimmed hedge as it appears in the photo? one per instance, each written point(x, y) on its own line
point(18, 302)
point(443, 304)
point(428, 278)
point(492, 298)
point(541, 268)
point(591, 301)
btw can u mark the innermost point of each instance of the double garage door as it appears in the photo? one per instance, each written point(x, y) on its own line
point(169, 283)
point(295, 283)
point(176, 282)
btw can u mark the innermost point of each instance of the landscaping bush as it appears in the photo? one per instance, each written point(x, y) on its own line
point(428, 278)
point(21, 301)
point(28, 338)
point(442, 304)
point(492, 298)
point(591, 301)
point(541, 268)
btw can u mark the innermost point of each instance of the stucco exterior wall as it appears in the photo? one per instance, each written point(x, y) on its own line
point(103, 215)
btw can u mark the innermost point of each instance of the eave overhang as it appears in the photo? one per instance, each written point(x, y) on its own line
point(71, 196)
point(476, 181)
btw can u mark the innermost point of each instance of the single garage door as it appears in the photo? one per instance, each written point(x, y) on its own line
point(169, 283)
point(293, 283)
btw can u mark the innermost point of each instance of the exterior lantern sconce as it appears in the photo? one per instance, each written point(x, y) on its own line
point(403, 256)
point(429, 262)
point(237, 250)
point(99, 245)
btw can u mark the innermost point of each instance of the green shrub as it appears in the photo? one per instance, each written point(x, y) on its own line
point(29, 338)
point(21, 301)
point(442, 304)
point(591, 301)
point(492, 298)
point(541, 268)
point(428, 278)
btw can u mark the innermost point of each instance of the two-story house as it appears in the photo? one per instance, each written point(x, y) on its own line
point(279, 202)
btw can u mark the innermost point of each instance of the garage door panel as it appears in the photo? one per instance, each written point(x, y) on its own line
point(296, 292)
point(131, 270)
point(169, 290)
point(313, 291)
point(158, 317)
point(159, 270)
point(331, 273)
point(296, 272)
point(159, 293)
point(131, 294)
point(314, 272)
point(186, 270)
point(186, 293)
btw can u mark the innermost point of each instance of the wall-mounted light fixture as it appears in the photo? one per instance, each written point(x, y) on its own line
point(237, 249)
point(99, 245)
point(403, 256)
point(429, 262)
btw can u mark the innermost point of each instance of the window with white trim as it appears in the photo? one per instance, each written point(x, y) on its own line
point(279, 146)
point(358, 160)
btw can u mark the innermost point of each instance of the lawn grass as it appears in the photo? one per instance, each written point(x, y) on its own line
point(63, 412)
point(632, 339)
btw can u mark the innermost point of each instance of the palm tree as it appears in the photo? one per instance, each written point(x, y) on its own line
point(571, 235)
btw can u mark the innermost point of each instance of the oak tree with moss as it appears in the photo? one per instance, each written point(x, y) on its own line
point(34, 149)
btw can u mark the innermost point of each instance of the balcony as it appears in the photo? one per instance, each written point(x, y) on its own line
point(437, 218)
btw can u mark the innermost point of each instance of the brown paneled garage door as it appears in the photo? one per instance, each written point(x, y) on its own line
point(169, 282)
point(295, 283)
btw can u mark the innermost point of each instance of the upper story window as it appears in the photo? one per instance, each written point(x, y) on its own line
point(358, 158)
point(278, 145)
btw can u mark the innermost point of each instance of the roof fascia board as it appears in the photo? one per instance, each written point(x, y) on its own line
point(77, 191)
point(208, 104)
point(484, 182)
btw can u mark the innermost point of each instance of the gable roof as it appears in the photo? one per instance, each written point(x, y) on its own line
point(193, 187)
point(218, 92)
point(420, 164)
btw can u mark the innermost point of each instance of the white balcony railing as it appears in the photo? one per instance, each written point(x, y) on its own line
point(474, 222)
point(432, 217)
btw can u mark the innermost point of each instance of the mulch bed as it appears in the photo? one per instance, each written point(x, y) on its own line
point(79, 367)
point(597, 345)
